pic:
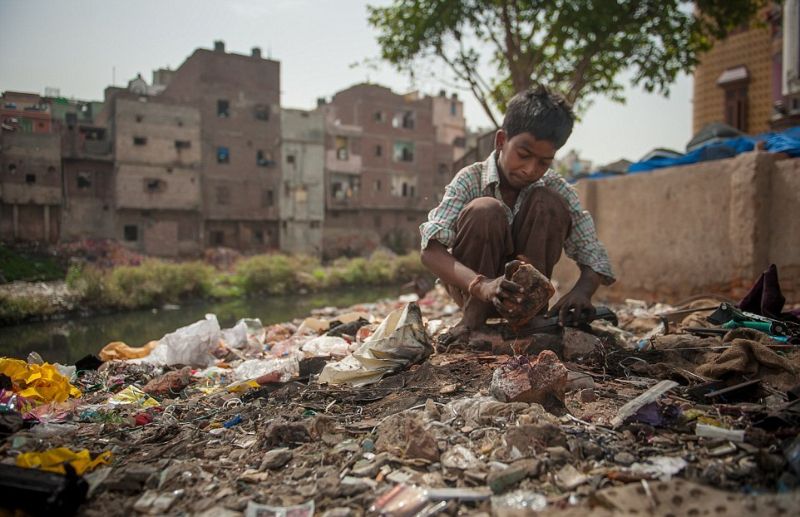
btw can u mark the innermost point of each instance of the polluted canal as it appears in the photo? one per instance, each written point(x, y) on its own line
point(371, 410)
point(67, 340)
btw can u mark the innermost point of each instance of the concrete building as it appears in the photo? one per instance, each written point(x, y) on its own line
point(157, 184)
point(750, 80)
point(238, 99)
point(87, 165)
point(30, 170)
point(302, 204)
point(387, 160)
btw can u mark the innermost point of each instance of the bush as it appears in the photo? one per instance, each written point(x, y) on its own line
point(272, 274)
point(14, 309)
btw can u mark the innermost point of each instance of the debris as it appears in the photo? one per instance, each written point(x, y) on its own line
point(276, 458)
point(399, 341)
point(54, 460)
point(37, 383)
point(117, 350)
point(37, 492)
point(500, 480)
point(518, 502)
point(636, 404)
point(171, 383)
point(712, 431)
point(660, 467)
point(542, 381)
point(578, 344)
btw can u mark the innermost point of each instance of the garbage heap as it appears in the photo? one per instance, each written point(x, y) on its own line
point(354, 411)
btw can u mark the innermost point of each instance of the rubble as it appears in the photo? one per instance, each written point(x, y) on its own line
point(239, 421)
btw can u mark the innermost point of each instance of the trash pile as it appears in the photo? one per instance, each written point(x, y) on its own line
point(661, 410)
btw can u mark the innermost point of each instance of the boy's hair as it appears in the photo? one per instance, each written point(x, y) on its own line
point(538, 111)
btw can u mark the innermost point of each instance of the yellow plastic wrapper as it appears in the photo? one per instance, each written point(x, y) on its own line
point(117, 350)
point(38, 383)
point(133, 395)
point(53, 460)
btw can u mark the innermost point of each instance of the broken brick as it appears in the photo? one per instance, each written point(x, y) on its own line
point(542, 381)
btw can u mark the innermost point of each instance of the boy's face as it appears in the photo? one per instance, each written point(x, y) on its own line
point(523, 159)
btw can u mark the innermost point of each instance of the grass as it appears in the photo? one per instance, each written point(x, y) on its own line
point(156, 282)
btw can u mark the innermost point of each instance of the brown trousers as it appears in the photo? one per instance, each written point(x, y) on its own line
point(485, 241)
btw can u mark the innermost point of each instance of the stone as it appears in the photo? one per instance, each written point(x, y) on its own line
point(276, 459)
point(624, 458)
point(171, 383)
point(578, 344)
point(587, 395)
point(286, 433)
point(542, 381)
point(500, 480)
point(404, 435)
point(579, 381)
point(569, 478)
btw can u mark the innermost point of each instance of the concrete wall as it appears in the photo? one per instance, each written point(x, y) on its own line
point(707, 228)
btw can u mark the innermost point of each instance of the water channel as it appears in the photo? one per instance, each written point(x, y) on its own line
point(66, 341)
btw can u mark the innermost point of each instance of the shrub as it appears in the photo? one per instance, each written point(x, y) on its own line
point(272, 274)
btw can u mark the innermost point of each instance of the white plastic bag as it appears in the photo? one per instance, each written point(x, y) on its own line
point(190, 345)
point(326, 346)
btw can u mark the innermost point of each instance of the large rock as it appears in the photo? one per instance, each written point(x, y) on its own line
point(578, 344)
point(542, 381)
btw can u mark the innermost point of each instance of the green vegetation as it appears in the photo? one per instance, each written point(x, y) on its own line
point(30, 267)
point(156, 282)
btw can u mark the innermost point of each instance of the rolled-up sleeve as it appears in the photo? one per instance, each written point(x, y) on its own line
point(441, 223)
point(582, 244)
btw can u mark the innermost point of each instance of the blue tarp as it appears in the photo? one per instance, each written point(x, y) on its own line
point(787, 141)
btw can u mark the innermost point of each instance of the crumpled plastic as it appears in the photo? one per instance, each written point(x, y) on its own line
point(191, 345)
point(133, 395)
point(117, 350)
point(399, 341)
point(326, 346)
point(288, 367)
point(53, 460)
point(247, 333)
point(38, 383)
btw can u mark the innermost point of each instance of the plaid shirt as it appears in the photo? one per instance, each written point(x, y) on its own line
point(482, 179)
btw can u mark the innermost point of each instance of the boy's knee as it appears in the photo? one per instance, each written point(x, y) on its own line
point(546, 199)
point(482, 214)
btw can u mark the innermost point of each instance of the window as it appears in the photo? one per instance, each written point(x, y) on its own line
point(258, 237)
point(84, 180)
point(376, 221)
point(223, 108)
point(377, 185)
point(130, 232)
point(736, 107)
point(261, 112)
point(404, 151)
point(223, 195)
point(290, 158)
point(378, 116)
point(378, 150)
point(12, 168)
point(267, 198)
point(182, 144)
point(263, 159)
point(453, 108)
point(407, 190)
point(223, 155)
point(139, 118)
point(443, 168)
point(217, 238)
point(460, 141)
point(404, 120)
point(341, 148)
point(30, 179)
point(314, 225)
point(139, 140)
point(154, 185)
point(51, 170)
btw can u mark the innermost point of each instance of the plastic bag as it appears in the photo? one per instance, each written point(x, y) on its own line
point(253, 368)
point(326, 346)
point(38, 383)
point(53, 460)
point(117, 350)
point(399, 341)
point(191, 345)
point(133, 395)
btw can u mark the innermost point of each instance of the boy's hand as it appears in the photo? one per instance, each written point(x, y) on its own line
point(574, 307)
point(504, 294)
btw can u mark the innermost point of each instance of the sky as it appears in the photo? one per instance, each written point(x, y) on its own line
point(81, 46)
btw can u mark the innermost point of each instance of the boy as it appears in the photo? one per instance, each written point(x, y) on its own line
point(513, 205)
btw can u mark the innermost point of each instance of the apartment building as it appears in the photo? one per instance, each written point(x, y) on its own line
point(238, 100)
point(30, 170)
point(302, 203)
point(388, 157)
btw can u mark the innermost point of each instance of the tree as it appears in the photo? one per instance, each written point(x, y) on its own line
point(577, 47)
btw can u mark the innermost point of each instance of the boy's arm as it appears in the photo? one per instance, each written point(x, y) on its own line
point(441, 263)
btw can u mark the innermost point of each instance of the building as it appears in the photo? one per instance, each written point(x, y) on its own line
point(750, 79)
point(30, 170)
point(238, 99)
point(302, 203)
point(87, 165)
point(387, 159)
point(157, 181)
